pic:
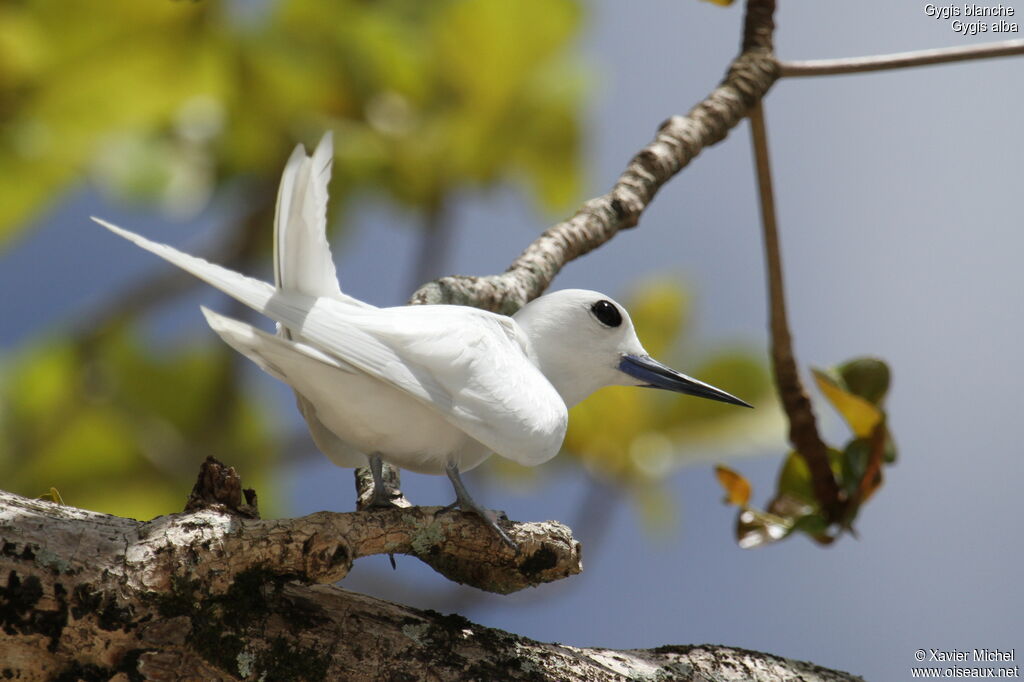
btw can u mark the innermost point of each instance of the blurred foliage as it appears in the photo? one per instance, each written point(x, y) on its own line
point(173, 104)
point(117, 428)
point(165, 101)
point(857, 391)
point(636, 437)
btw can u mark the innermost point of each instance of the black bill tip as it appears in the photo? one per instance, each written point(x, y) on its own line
point(656, 375)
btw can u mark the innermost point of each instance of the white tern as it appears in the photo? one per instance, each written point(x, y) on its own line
point(433, 389)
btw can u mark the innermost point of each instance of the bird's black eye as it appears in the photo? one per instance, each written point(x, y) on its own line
point(606, 313)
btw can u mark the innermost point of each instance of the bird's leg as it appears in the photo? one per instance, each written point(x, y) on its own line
point(465, 502)
point(381, 498)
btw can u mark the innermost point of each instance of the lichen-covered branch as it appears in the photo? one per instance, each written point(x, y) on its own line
point(221, 536)
point(214, 596)
point(678, 141)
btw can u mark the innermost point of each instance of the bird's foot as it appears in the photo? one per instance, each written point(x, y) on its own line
point(491, 518)
point(385, 498)
point(377, 487)
point(466, 503)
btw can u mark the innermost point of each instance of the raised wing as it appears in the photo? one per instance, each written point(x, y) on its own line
point(302, 255)
point(467, 364)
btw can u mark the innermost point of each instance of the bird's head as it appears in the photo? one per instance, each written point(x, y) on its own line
point(583, 340)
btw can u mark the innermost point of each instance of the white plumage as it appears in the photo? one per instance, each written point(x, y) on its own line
point(432, 389)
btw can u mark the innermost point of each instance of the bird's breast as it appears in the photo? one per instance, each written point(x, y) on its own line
point(374, 417)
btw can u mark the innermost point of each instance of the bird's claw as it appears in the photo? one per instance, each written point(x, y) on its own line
point(490, 517)
point(381, 499)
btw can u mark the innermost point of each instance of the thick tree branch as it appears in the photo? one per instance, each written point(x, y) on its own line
point(209, 595)
point(321, 547)
point(803, 429)
point(899, 60)
point(678, 141)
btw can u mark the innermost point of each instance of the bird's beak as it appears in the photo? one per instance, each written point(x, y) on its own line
point(656, 375)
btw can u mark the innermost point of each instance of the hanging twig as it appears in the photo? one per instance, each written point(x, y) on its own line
point(803, 430)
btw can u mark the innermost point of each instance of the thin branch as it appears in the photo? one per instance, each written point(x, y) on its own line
point(803, 430)
point(872, 477)
point(679, 140)
point(899, 60)
point(437, 232)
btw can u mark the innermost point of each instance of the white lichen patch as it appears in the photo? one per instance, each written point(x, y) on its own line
point(427, 537)
point(417, 632)
point(245, 662)
point(625, 664)
point(48, 559)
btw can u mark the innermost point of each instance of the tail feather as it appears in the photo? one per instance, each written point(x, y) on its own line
point(272, 354)
point(252, 292)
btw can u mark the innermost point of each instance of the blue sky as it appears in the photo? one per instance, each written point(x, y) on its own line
point(900, 207)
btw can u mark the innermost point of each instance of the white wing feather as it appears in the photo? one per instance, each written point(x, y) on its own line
point(282, 358)
point(271, 353)
point(465, 363)
point(303, 262)
point(302, 255)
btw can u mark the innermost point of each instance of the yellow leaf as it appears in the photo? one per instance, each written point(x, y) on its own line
point(861, 415)
point(737, 488)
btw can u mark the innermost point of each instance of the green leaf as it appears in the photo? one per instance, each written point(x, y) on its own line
point(120, 430)
point(603, 427)
point(38, 380)
point(868, 378)
point(84, 89)
point(855, 463)
point(795, 480)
